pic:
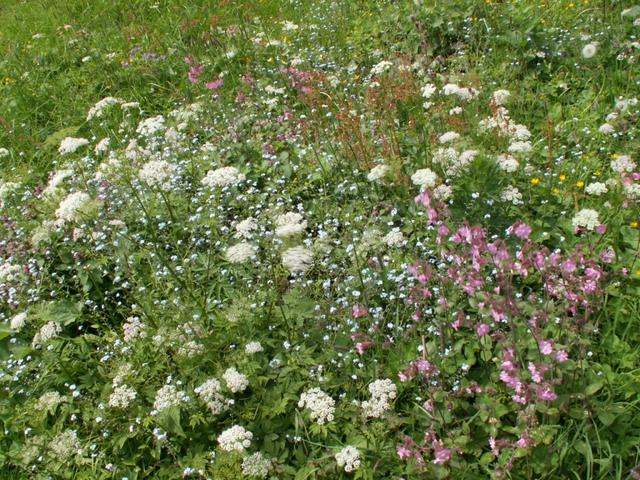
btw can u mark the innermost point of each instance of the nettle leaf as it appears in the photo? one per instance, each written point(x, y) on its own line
point(64, 312)
point(169, 420)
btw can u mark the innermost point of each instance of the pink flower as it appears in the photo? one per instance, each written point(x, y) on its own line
point(562, 356)
point(403, 452)
point(359, 311)
point(443, 455)
point(362, 347)
point(546, 347)
point(215, 84)
point(194, 73)
point(601, 229)
point(520, 229)
point(545, 392)
point(483, 329)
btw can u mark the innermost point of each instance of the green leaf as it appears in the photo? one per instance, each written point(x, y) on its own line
point(169, 420)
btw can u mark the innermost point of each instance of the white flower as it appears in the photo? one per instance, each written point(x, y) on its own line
point(18, 321)
point(290, 224)
point(236, 381)
point(71, 144)
point(349, 458)
point(448, 137)
point(65, 445)
point(511, 194)
point(56, 180)
point(606, 129)
point(72, 206)
point(394, 238)
point(586, 218)
point(102, 146)
point(632, 191)
point(507, 163)
point(500, 97)
point(240, 252)
point(623, 164)
point(98, 109)
point(428, 90)
point(223, 177)
point(245, 228)
point(442, 192)
point(4, 152)
point(157, 173)
point(132, 329)
point(253, 347)
point(168, 396)
point(424, 178)
point(321, 405)
point(150, 126)
point(48, 331)
point(377, 173)
point(50, 400)
point(382, 392)
point(381, 67)
point(463, 93)
point(596, 188)
point(121, 396)
point(235, 438)
point(297, 259)
point(520, 147)
point(9, 272)
point(256, 465)
point(209, 392)
point(589, 50)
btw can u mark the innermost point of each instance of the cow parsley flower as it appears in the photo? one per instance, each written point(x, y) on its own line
point(49, 331)
point(150, 126)
point(256, 465)
point(236, 382)
point(210, 393)
point(122, 396)
point(245, 228)
point(72, 206)
point(448, 137)
point(65, 445)
point(349, 458)
point(622, 164)
point(378, 173)
point(382, 393)
point(71, 144)
point(297, 259)
point(240, 252)
point(168, 396)
point(290, 224)
point(424, 178)
point(157, 173)
point(321, 405)
point(223, 177)
point(586, 218)
point(253, 347)
point(18, 321)
point(235, 438)
point(596, 188)
point(507, 163)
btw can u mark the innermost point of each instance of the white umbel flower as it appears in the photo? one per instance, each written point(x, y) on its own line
point(622, 164)
point(235, 438)
point(425, 178)
point(394, 238)
point(157, 173)
point(18, 321)
point(122, 396)
point(507, 163)
point(71, 144)
point(223, 177)
point(210, 393)
point(253, 347)
point(500, 97)
point(586, 218)
point(246, 227)
point(378, 173)
point(168, 396)
point(348, 458)
point(48, 332)
point(71, 206)
point(290, 224)
point(319, 403)
point(596, 188)
point(240, 252)
point(448, 137)
point(382, 393)
point(297, 259)
point(236, 381)
point(150, 126)
point(256, 465)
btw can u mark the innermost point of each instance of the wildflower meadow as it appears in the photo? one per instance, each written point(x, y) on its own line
point(296, 239)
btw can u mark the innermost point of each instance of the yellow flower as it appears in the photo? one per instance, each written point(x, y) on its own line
point(580, 184)
point(535, 181)
point(555, 190)
point(562, 177)
point(614, 155)
point(597, 173)
point(633, 224)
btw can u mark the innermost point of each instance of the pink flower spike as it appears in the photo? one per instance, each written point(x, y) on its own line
point(359, 311)
point(215, 84)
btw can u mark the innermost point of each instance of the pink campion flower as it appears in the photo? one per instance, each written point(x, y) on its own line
point(403, 452)
point(546, 347)
point(524, 441)
point(601, 229)
point(568, 266)
point(562, 356)
point(359, 311)
point(442, 455)
point(215, 85)
point(428, 406)
point(546, 393)
point(593, 273)
point(194, 73)
point(520, 229)
point(608, 255)
point(483, 329)
point(362, 347)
